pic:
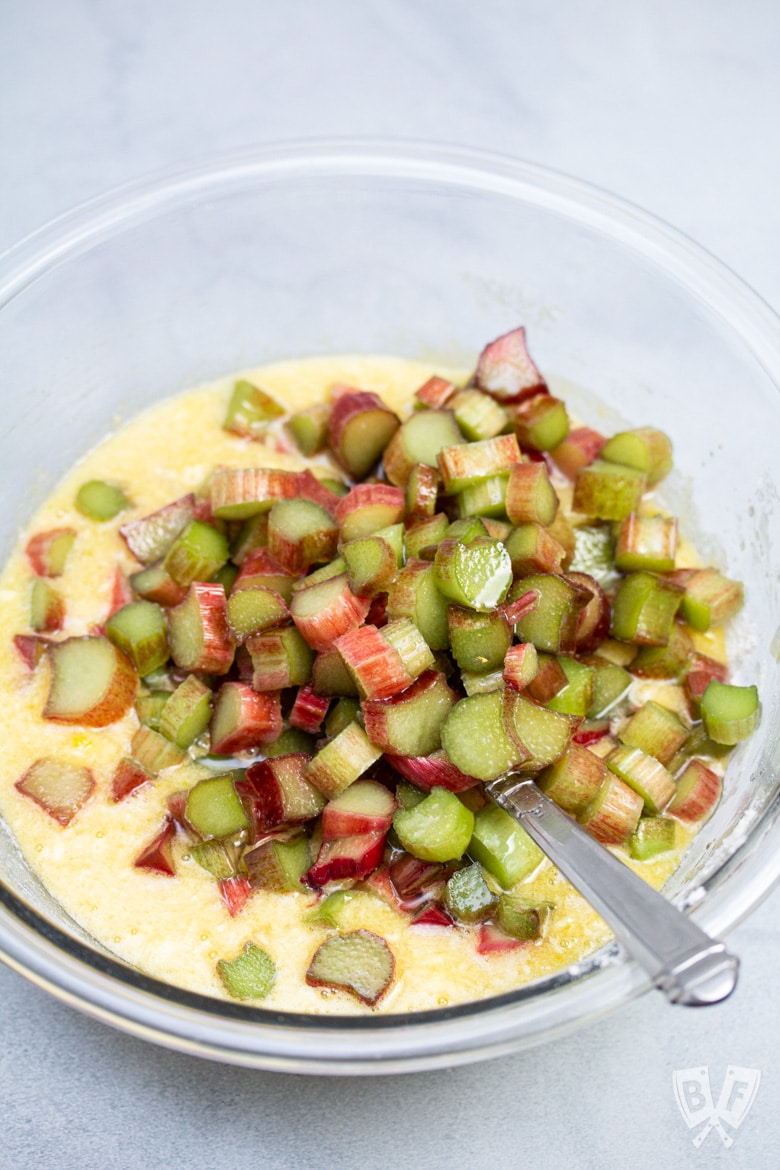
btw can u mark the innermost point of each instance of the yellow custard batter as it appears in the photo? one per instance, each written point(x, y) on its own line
point(176, 929)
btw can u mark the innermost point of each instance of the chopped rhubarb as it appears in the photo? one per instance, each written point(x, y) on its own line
point(411, 722)
point(150, 537)
point(419, 440)
point(359, 962)
point(157, 856)
point(59, 787)
point(251, 975)
point(100, 501)
point(92, 682)
point(439, 828)
point(250, 410)
point(244, 718)
point(200, 637)
point(698, 791)
point(505, 368)
point(324, 611)
point(368, 507)
point(240, 493)
point(48, 551)
point(278, 793)
point(359, 428)
point(128, 777)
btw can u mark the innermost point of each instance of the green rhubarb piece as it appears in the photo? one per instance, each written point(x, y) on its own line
point(521, 919)
point(653, 835)
point(279, 865)
point(531, 498)
point(226, 576)
point(291, 740)
point(253, 609)
point(576, 697)
point(153, 751)
point(281, 658)
point(415, 594)
point(439, 828)
point(187, 713)
point(552, 624)
point(608, 491)
point(301, 533)
point(478, 641)
point(730, 713)
point(468, 897)
point(474, 738)
point(100, 501)
point(340, 761)
point(371, 563)
point(328, 910)
point(486, 498)
point(533, 549)
point(670, 662)
point(341, 714)
point(196, 554)
point(309, 428)
point(219, 858)
point(646, 542)
point(252, 535)
point(478, 415)
point(594, 552)
point(643, 609)
point(139, 631)
point(476, 575)
point(574, 780)
point(710, 599)
point(359, 962)
point(148, 707)
point(407, 796)
point(467, 464)
point(214, 808)
point(645, 449)
point(502, 847)
point(425, 534)
point(330, 675)
point(542, 423)
point(540, 735)
point(656, 730)
point(419, 439)
point(250, 410)
point(645, 774)
point(394, 535)
point(250, 975)
point(467, 529)
point(47, 608)
point(611, 684)
point(480, 682)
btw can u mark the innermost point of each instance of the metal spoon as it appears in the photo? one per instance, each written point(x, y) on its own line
point(685, 963)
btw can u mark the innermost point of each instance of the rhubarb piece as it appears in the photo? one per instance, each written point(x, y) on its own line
point(309, 428)
point(300, 534)
point(476, 575)
point(359, 962)
point(235, 892)
point(367, 508)
point(243, 718)
point(697, 678)
point(330, 675)
point(328, 910)
point(343, 711)
point(670, 661)
point(416, 883)
point(157, 856)
point(371, 565)
point(250, 410)
point(242, 493)
point(710, 599)
point(48, 551)
point(613, 815)
point(410, 723)
point(532, 549)
point(656, 730)
point(577, 450)
point(291, 741)
point(259, 568)
point(608, 491)
point(467, 464)
point(278, 793)
point(540, 736)
point(653, 835)
point(365, 807)
point(611, 685)
point(47, 607)
point(251, 609)
point(574, 780)
point(251, 975)
point(478, 415)
point(279, 865)
point(576, 697)
point(541, 422)
point(505, 368)
point(341, 761)
point(359, 428)
point(475, 740)
point(548, 680)
point(280, 658)
point(155, 584)
point(154, 751)
point(324, 611)
point(594, 616)
point(646, 449)
point(646, 542)
point(552, 623)
point(150, 537)
point(251, 538)
point(434, 394)
point(530, 497)
point(419, 440)
point(31, 648)
point(385, 661)
point(521, 665)
point(646, 775)
point(478, 641)
point(92, 682)
point(199, 634)
point(195, 554)
point(439, 828)
point(468, 897)
point(521, 919)
point(414, 594)
point(309, 709)
point(139, 631)
point(594, 552)
point(730, 713)
point(502, 847)
point(493, 941)
point(214, 808)
point(485, 499)
point(346, 858)
point(432, 771)
point(186, 714)
point(100, 501)
point(128, 777)
point(60, 788)
point(421, 492)
point(643, 609)
point(698, 791)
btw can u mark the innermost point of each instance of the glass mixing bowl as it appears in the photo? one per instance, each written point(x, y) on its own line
point(423, 252)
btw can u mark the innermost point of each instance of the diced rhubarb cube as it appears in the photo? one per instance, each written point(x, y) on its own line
point(243, 718)
point(359, 428)
point(158, 854)
point(48, 551)
point(150, 537)
point(200, 637)
point(60, 788)
point(92, 682)
point(505, 368)
point(128, 777)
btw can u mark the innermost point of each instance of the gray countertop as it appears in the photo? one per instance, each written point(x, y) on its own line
point(672, 104)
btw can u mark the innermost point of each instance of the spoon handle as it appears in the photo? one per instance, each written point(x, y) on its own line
point(684, 962)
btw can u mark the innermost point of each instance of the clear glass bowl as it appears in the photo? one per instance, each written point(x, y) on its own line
point(423, 252)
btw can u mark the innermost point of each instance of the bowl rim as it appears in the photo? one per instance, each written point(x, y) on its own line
point(110, 990)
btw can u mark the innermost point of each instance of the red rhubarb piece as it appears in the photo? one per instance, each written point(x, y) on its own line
point(158, 854)
point(505, 369)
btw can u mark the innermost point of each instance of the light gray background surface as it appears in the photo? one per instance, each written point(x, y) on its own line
point(673, 104)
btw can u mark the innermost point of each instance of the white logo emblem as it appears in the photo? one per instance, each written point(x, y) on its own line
point(694, 1100)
